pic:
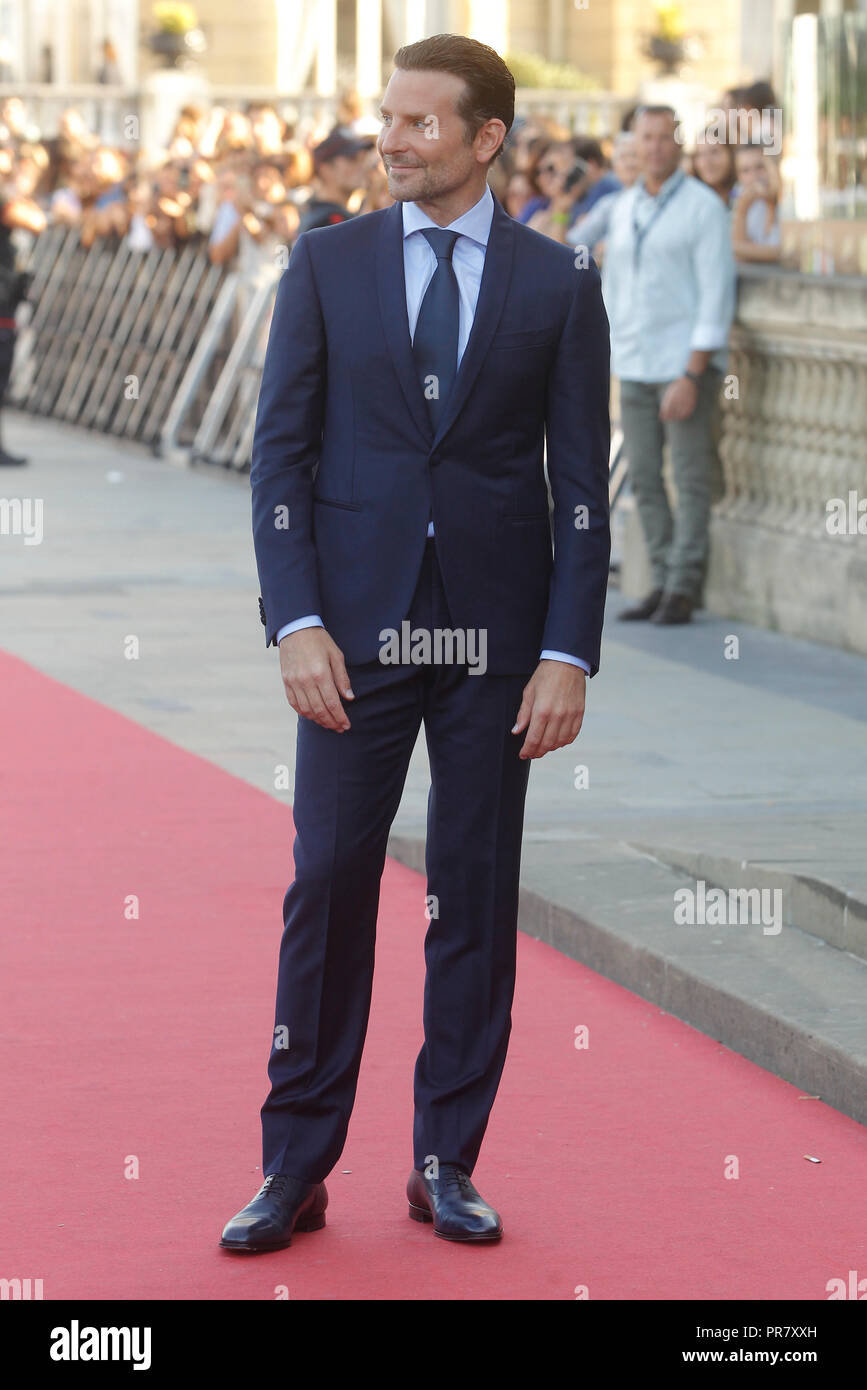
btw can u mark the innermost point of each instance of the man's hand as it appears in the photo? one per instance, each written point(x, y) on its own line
point(680, 400)
point(314, 677)
point(552, 708)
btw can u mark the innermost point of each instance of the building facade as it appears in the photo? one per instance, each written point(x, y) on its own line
point(295, 45)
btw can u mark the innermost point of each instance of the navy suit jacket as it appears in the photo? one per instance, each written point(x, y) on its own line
point(347, 470)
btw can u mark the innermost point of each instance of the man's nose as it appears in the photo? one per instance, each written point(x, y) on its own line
point(391, 141)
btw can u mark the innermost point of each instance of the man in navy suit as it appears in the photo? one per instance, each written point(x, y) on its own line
point(418, 359)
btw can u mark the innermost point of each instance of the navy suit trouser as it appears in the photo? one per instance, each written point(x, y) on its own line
point(347, 790)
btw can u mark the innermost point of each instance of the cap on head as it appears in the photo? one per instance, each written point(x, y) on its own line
point(337, 145)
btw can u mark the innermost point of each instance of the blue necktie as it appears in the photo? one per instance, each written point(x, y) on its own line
point(435, 342)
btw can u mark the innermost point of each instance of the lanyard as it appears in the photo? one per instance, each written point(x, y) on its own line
point(639, 233)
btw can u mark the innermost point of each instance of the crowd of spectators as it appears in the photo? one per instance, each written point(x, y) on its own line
point(565, 185)
point(243, 185)
point(241, 182)
point(236, 181)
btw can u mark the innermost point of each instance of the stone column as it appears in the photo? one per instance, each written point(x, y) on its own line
point(368, 47)
point(296, 43)
point(488, 21)
point(408, 19)
point(325, 12)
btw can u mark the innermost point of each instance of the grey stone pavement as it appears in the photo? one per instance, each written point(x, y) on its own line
point(745, 772)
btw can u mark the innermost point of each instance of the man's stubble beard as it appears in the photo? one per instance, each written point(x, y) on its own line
point(399, 190)
point(430, 188)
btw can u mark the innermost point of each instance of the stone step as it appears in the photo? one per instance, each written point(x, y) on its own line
point(791, 1002)
point(838, 915)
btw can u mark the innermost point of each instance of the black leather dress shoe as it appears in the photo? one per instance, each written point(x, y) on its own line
point(282, 1206)
point(674, 609)
point(640, 612)
point(452, 1204)
point(11, 460)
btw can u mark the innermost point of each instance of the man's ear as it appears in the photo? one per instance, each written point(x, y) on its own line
point(493, 134)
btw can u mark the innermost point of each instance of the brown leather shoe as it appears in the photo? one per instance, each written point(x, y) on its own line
point(640, 612)
point(674, 609)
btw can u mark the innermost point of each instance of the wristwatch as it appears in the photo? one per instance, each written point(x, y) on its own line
point(694, 377)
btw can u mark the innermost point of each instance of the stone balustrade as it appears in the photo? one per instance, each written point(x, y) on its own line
point(794, 439)
point(793, 442)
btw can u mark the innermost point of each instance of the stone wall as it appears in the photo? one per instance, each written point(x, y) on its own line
point(794, 437)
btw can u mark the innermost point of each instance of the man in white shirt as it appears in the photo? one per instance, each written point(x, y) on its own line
point(668, 282)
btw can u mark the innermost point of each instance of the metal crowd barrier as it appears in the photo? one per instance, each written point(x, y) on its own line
point(113, 332)
point(157, 346)
point(225, 433)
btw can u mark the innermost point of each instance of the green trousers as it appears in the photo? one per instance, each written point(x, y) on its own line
point(677, 542)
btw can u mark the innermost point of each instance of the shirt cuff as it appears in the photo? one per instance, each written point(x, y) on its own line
point(313, 620)
point(709, 337)
point(563, 656)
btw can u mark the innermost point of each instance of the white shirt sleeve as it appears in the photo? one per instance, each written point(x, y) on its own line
point(313, 620)
point(714, 267)
point(563, 656)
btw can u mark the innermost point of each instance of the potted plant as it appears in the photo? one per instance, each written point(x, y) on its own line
point(177, 37)
point(667, 44)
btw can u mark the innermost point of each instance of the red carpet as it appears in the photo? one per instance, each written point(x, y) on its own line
point(146, 1040)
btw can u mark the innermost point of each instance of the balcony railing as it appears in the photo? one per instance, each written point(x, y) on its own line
point(104, 108)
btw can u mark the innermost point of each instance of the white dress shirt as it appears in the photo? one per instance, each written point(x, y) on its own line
point(674, 291)
point(419, 264)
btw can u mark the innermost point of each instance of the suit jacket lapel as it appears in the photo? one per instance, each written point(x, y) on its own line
point(391, 283)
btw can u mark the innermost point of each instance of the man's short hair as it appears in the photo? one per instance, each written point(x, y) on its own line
point(489, 87)
point(654, 111)
point(761, 95)
point(589, 150)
